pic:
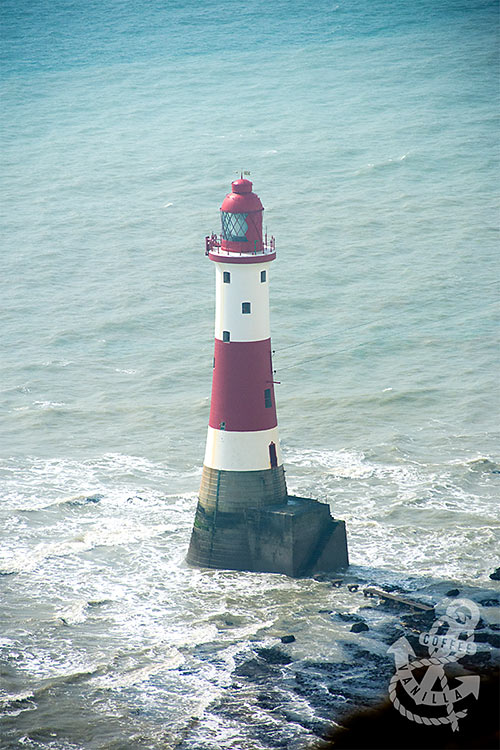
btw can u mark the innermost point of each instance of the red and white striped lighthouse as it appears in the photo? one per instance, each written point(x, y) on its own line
point(243, 481)
point(243, 428)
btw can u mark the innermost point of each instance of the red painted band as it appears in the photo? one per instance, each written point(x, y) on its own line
point(264, 258)
point(242, 376)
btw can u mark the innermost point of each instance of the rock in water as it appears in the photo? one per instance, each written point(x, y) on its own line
point(359, 627)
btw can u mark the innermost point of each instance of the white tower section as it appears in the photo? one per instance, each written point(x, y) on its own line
point(239, 284)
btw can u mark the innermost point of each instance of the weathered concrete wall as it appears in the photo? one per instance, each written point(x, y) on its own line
point(235, 491)
point(297, 538)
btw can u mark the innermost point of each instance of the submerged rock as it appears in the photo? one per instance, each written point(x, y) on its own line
point(274, 655)
point(359, 627)
point(85, 499)
point(255, 670)
point(269, 700)
point(347, 617)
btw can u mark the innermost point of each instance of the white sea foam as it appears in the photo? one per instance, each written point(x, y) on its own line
point(74, 614)
point(168, 660)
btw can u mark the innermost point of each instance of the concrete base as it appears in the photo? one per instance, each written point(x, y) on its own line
point(297, 538)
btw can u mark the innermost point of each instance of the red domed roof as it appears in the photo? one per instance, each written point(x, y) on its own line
point(241, 200)
point(242, 186)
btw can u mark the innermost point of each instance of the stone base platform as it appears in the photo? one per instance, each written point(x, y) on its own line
point(297, 538)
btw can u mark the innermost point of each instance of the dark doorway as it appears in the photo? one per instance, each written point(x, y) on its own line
point(272, 454)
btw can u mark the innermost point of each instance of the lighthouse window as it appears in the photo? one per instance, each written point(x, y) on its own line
point(262, 275)
point(234, 226)
point(267, 398)
point(245, 307)
point(226, 336)
point(226, 277)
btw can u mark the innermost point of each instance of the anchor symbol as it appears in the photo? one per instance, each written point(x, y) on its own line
point(461, 617)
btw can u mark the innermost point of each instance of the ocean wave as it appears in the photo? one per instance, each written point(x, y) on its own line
point(342, 463)
point(74, 614)
point(108, 532)
point(16, 704)
point(391, 161)
point(120, 676)
point(35, 483)
point(482, 465)
point(48, 405)
point(355, 465)
point(83, 500)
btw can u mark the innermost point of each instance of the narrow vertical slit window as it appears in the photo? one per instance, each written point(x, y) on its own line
point(262, 276)
point(273, 457)
point(246, 308)
point(226, 336)
point(267, 398)
point(226, 277)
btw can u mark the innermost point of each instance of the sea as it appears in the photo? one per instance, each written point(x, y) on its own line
point(370, 130)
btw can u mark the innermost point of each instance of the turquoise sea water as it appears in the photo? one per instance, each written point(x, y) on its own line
point(371, 132)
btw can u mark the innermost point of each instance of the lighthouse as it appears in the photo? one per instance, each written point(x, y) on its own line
point(245, 518)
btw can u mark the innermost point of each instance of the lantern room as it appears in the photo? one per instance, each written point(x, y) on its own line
point(241, 215)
